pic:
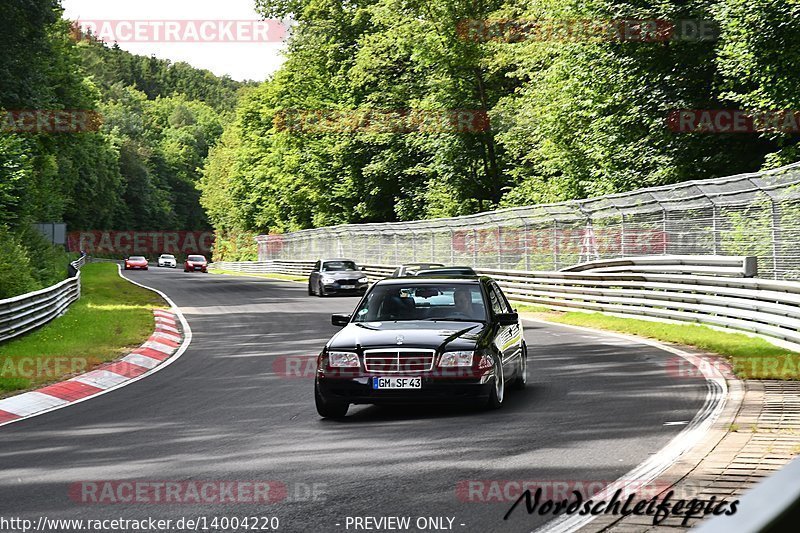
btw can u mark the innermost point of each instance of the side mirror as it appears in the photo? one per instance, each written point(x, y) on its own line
point(362, 269)
point(340, 320)
point(508, 319)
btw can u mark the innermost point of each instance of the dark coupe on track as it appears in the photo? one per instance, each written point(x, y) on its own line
point(417, 340)
point(336, 276)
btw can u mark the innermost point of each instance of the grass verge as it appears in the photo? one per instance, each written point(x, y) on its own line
point(271, 275)
point(112, 317)
point(751, 357)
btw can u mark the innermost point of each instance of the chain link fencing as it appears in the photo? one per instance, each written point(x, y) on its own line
point(754, 214)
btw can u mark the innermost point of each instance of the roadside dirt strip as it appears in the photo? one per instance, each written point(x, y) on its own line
point(165, 341)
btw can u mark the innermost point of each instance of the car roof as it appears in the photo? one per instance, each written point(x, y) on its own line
point(466, 280)
point(337, 259)
point(421, 263)
point(456, 271)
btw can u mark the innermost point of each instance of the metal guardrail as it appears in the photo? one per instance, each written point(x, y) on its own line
point(292, 268)
point(23, 313)
point(765, 307)
point(713, 265)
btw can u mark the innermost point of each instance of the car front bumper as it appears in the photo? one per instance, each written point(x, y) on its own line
point(337, 289)
point(434, 390)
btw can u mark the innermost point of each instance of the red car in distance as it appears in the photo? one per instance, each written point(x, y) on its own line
point(195, 262)
point(136, 262)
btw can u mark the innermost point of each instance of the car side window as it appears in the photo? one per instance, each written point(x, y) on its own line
point(504, 300)
point(499, 303)
point(495, 301)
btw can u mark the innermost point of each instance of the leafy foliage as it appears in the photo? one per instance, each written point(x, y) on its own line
point(137, 172)
point(569, 118)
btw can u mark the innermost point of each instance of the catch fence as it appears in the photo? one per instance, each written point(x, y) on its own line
point(754, 214)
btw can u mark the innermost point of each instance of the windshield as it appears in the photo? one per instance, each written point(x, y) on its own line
point(136, 258)
point(198, 258)
point(167, 256)
point(416, 301)
point(338, 266)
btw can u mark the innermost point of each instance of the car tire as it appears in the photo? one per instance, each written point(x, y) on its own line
point(327, 408)
point(497, 394)
point(522, 378)
point(310, 290)
point(321, 291)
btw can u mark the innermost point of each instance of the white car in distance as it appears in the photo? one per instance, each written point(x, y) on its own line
point(167, 260)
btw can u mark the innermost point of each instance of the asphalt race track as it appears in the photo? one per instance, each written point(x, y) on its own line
point(595, 407)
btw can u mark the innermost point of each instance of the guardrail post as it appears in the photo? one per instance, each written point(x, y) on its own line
point(364, 249)
point(775, 236)
point(622, 250)
point(714, 229)
point(525, 248)
point(474, 247)
point(499, 247)
point(452, 249)
point(555, 245)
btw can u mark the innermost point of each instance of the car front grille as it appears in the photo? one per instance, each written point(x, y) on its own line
point(407, 360)
point(347, 281)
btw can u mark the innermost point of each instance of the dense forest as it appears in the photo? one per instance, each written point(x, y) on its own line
point(568, 117)
point(136, 170)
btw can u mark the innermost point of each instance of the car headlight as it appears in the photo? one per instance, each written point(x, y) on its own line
point(328, 281)
point(450, 359)
point(365, 279)
point(343, 360)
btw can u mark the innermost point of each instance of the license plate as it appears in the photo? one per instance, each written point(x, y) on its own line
point(397, 383)
point(348, 286)
point(198, 268)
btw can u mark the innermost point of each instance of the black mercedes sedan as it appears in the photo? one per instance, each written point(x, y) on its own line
point(421, 340)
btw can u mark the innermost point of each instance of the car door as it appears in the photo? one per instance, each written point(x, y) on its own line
point(509, 338)
point(313, 278)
